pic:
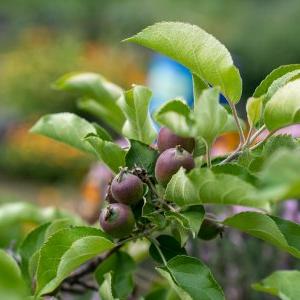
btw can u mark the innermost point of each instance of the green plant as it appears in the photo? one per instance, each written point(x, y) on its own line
point(256, 174)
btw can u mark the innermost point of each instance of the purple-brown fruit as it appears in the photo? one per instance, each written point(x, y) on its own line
point(127, 188)
point(170, 161)
point(167, 139)
point(117, 220)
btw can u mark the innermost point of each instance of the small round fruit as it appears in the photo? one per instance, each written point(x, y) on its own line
point(170, 161)
point(167, 139)
point(117, 220)
point(127, 188)
point(209, 230)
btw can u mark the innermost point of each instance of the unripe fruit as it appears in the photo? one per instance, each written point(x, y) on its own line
point(117, 220)
point(209, 230)
point(127, 188)
point(167, 139)
point(170, 161)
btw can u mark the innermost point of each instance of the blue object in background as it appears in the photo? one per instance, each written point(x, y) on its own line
point(168, 79)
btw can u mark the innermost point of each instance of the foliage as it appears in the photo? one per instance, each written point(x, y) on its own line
point(256, 174)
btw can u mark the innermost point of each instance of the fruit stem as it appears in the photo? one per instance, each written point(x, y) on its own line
point(179, 148)
point(121, 174)
point(109, 213)
point(256, 134)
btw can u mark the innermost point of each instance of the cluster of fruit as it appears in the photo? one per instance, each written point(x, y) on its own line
point(128, 187)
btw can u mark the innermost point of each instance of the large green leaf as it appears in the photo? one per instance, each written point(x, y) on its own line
point(121, 267)
point(283, 108)
point(283, 284)
point(141, 155)
point(138, 124)
point(279, 232)
point(108, 152)
point(203, 186)
point(12, 286)
point(280, 172)
point(199, 51)
point(209, 115)
point(192, 277)
point(273, 76)
point(66, 250)
point(176, 115)
point(99, 96)
point(66, 128)
point(29, 249)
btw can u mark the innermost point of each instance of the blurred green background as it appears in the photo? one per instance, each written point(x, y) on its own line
point(42, 40)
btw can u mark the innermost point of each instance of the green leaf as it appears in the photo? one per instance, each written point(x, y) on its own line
point(168, 246)
point(29, 249)
point(210, 229)
point(12, 286)
point(58, 225)
point(31, 244)
point(175, 114)
point(203, 186)
point(283, 284)
point(105, 290)
point(199, 51)
point(108, 152)
point(210, 116)
point(200, 147)
point(141, 155)
point(280, 82)
point(281, 173)
point(194, 215)
point(121, 267)
point(102, 133)
point(161, 293)
point(283, 108)
point(254, 109)
point(99, 96)
point(187, 221)
point(182, 294)
point(274, 75)
point(279, 232)
point(138, 125)
point(198, 86)
point(254, 160)
point(66, 250)
point(192, 277)
point(278, 142)
point(236, 170)
point(66, 128)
